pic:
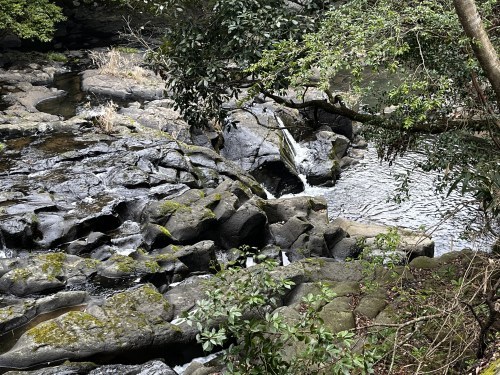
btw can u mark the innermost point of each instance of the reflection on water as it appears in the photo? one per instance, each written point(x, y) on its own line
point(363, 191)
point(65, 105)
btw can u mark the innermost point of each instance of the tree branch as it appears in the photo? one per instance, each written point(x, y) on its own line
point(378, 120)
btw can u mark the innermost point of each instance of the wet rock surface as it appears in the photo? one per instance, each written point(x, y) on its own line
point(253, 139)
point(105, 238)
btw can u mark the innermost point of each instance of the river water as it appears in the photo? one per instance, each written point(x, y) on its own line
point(364, 193)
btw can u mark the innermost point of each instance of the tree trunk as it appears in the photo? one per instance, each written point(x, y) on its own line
point(481, 44)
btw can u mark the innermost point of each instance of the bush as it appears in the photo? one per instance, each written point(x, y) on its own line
point(239, 313)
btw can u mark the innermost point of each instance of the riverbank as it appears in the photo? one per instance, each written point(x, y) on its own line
point(110, 222)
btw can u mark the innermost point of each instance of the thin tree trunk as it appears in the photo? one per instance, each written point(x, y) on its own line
point(481, 44)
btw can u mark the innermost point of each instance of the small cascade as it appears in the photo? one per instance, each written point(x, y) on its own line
point(300, 154)
point(4, 251)
point(181, 369)
point(285, 261)
point(249, 262)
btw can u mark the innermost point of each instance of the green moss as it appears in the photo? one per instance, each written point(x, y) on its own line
point(171, 207)
point(165, 258)
point(2, 146)
point(6, 313)
point(81, 319)
point(208, 214)
point(20, 274)
point(49, 333)
point(492, 369)
point(123, 263)
point(165, 231)
point(152, 266)
point(152, 294)
point(57, 56)
point(91, 263)
point(66, 331)
point(52, 264)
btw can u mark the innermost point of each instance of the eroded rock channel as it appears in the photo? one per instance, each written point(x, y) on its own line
point(106, 237)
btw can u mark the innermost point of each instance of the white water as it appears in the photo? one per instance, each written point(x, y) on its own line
point(182, 368)
point(300, 154)
point(284, 259)
point(363, 194)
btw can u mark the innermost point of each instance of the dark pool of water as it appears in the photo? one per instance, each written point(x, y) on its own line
point(66, 105)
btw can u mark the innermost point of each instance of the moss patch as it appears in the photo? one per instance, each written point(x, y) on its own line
point(208, 214)
point(20, 274)
point(171, 207)
point(492, 369)
point(124, 263)
point(164, 230)
point(52, 264)
point(152, 266)
point(65, 331)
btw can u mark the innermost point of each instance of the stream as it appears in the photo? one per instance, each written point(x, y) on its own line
point(364, 191)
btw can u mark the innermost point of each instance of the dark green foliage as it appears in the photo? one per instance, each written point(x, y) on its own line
point(30, 19)
point(207, 46)
point(240, 307)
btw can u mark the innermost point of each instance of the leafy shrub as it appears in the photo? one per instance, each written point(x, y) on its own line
point(239, 313)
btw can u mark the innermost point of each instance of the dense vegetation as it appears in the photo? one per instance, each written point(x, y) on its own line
point(421, 59)
point(413, 58)
point(30, 18)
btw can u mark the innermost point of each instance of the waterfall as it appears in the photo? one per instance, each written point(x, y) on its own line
point(300, 154)
point(285, 261)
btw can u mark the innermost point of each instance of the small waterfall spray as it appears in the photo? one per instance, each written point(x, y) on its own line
point(300, 154)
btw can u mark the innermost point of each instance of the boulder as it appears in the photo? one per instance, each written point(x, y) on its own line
point(245, 227)
point(413, 244)
point(130, 320)
point(16, 312)
point(45, 273)
point(346, 248)
point(18, 231)
point(199, 257)
point(261, 150)
point(286, 234)
point(312, 209)
point(159, 115)
point(119, 87)
point(322, 164)
point(317, 117)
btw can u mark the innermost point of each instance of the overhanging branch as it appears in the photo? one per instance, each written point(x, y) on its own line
point(379, 120)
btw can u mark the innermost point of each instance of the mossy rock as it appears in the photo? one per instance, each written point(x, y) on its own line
point(52, 263)
point(169, 207)
point(424, 263)
point(370, 306)
point(386, 316)
point(338, 304)
point(336, 321)
point(345, 288)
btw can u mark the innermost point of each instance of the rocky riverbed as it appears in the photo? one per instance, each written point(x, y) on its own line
point(107, 236)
